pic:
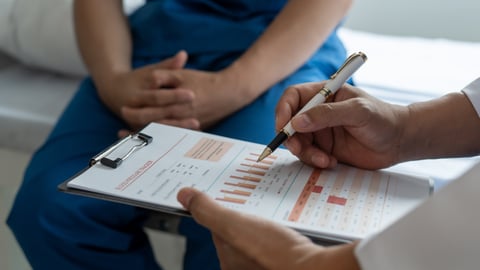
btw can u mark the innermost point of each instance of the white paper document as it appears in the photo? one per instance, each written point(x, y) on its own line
point(345, 203)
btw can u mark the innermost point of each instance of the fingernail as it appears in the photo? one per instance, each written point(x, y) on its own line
point(184, 196)
point(319, 161)
point(301, 121)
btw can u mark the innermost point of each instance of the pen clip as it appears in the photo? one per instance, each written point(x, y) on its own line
point(348, 61)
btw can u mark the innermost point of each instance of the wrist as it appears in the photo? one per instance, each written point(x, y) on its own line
point(404, 150)
point(243, 82)
point(434, 128)
point(105, 78)
point(425, 132)
point(107, 83)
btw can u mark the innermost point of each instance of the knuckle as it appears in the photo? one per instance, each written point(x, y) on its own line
point(363, 105)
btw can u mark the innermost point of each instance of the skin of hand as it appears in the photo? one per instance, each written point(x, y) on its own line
point(155, 96)
point(215, 97)
point(358, 129)
point(281, 49)
point(248, 242)
point(352, 127)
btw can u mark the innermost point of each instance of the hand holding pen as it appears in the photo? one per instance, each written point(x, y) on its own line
point(352, 64)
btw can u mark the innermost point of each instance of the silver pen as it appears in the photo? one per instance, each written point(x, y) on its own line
point(352, 64)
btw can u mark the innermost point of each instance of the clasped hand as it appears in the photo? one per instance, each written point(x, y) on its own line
point(168, 93)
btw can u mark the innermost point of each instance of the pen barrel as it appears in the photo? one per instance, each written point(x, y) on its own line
point(316, 100)
point(347, 71)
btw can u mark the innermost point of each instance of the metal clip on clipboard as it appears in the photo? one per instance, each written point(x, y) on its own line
point(143, 139)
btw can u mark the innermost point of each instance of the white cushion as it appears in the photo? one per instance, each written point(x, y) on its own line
point(40, 33)
point(44, 37)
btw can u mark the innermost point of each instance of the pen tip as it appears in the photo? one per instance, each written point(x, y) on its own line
point(264, 154)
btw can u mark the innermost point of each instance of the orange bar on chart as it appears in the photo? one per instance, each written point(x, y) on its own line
point(303, 198)
point(236, 192)
point(265, 161)
point(244, 185)
point(317, 189)
point(270, 156)
point(252, 172)
point(247, 178)
point(231, 200)
point(258, 166)
point(336, 200)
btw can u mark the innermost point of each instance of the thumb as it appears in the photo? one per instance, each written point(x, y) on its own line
point(203, 209)
point(177, 61)
point(185, 195)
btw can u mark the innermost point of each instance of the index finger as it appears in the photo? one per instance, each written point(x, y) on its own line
point(292, 100)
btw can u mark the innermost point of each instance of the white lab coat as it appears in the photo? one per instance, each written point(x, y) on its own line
point(441, 233)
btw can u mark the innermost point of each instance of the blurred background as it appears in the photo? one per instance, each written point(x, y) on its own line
point(450, 19)
point(454, 20)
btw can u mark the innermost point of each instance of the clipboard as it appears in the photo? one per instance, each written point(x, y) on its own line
point(137, 141)
point(160, 160)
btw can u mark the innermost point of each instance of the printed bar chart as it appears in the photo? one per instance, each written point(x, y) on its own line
point(246, 178)
point(339, 202)
point(344, 201)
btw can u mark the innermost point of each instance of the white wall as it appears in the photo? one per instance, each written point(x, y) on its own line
point(452, 19)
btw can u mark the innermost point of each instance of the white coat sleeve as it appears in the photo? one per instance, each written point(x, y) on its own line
point(473, 93)
point(442, 233)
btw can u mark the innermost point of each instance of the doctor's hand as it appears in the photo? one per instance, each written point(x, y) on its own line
point(248, 242)
point(353, 127)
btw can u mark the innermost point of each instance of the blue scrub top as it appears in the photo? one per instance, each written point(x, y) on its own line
point(213, 32)
point(162, 27)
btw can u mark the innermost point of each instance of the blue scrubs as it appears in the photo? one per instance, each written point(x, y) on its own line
point(61, 231)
